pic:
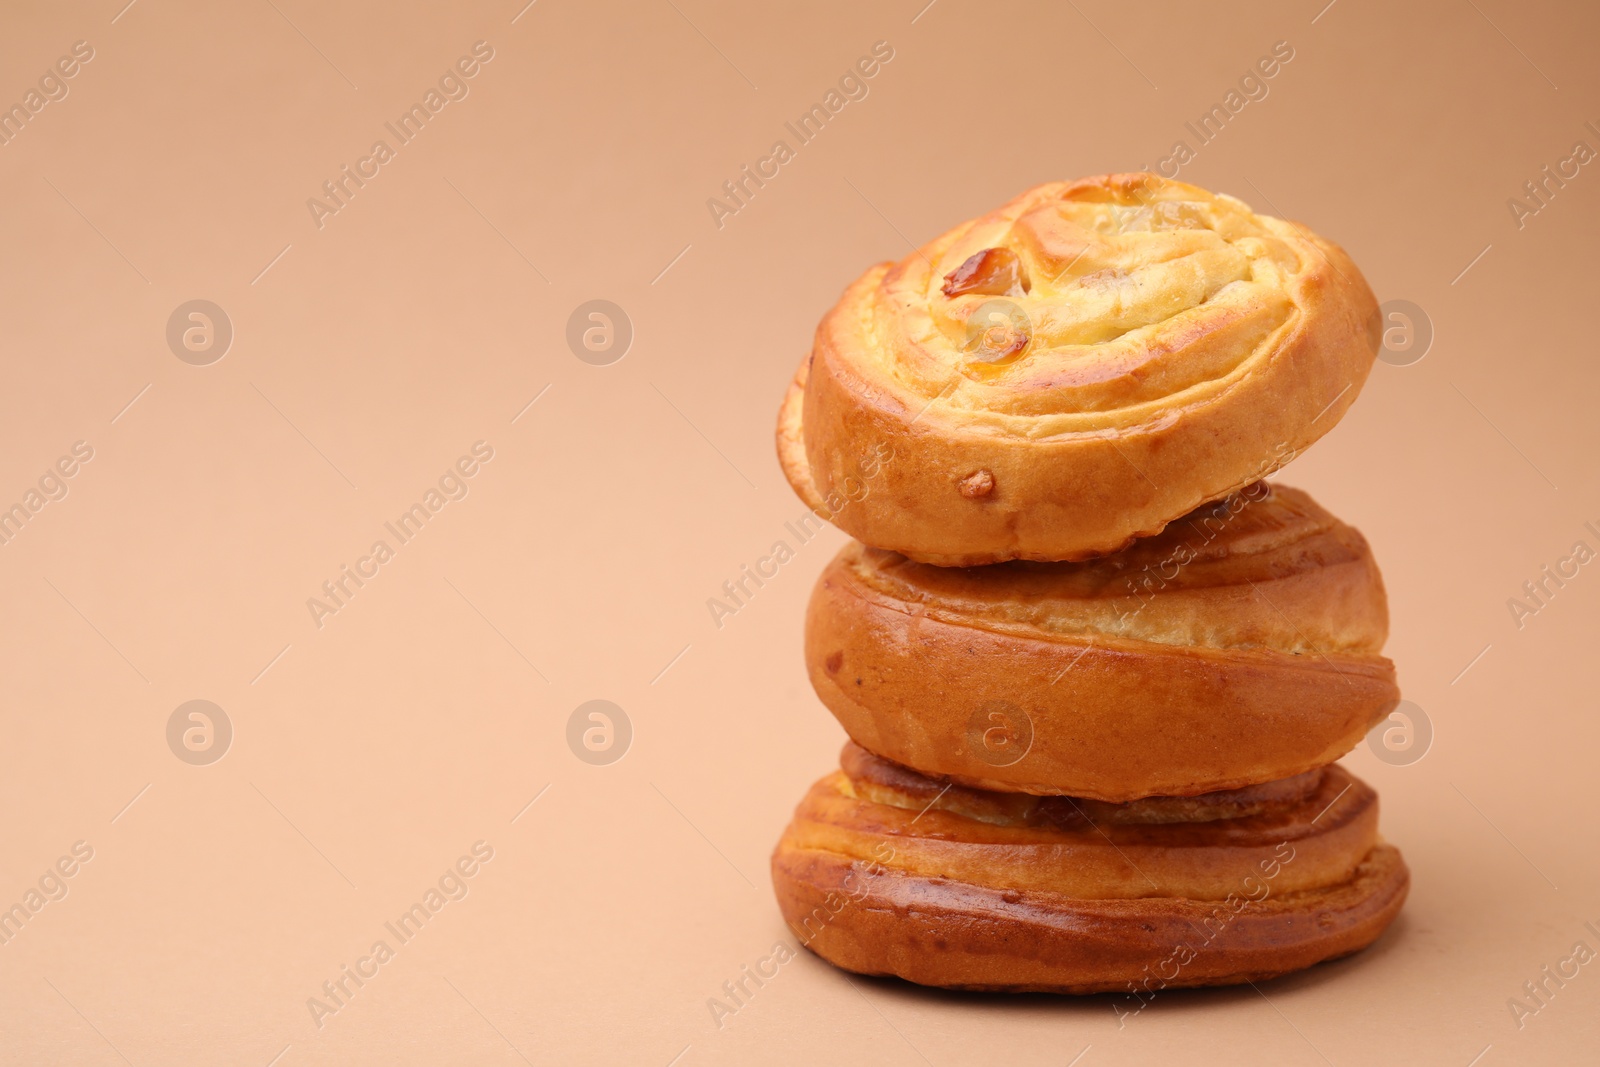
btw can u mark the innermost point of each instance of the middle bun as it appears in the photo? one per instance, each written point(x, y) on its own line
point(1242, 645)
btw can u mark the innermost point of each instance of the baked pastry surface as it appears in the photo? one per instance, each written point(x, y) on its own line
point(1073, 370)
point(1241, 645)
point(883, 871)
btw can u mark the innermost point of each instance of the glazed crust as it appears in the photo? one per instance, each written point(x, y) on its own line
point(964, 936)
point(882, 889)
point(1309, 842)
point(1175, 347)
point(1240, 646)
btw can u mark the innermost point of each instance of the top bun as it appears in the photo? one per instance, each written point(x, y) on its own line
point(1073, 371)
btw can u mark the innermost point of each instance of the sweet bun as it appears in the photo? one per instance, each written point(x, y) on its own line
point(1241, 645)
point(885, 872)
point(1072, 371)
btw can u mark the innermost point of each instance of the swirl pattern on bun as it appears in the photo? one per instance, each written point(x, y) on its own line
point(1074, 370)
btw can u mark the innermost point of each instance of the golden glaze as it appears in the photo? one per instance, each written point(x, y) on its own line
point(1175, 346)
point(900, 885)
point(1242, 645)
point(1060, 847)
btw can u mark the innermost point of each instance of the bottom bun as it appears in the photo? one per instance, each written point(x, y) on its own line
point(904, 914)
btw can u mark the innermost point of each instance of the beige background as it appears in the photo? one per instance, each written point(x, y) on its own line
point(370, 753)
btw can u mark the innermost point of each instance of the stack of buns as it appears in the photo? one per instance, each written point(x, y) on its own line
point(1094, 669)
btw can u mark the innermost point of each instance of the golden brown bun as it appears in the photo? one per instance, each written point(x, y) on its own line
point(1241, 645)
point(906, 886)
point(1116, 351)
